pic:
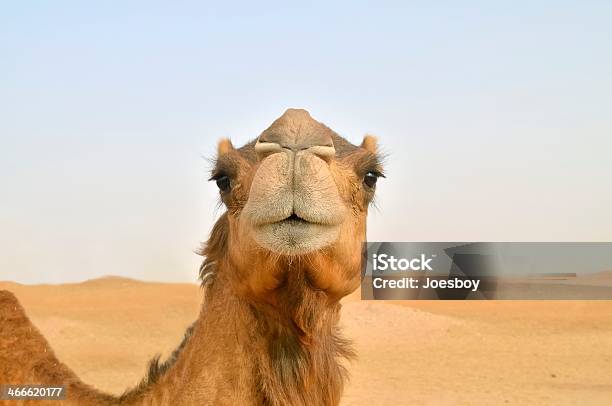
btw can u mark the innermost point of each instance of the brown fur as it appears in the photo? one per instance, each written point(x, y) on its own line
point(25, 357)
point(267, 333)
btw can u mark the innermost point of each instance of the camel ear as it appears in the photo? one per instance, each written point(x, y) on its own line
point(370, 143)
point(224, 147)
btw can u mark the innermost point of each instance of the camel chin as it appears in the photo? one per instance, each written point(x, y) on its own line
point(295, 236)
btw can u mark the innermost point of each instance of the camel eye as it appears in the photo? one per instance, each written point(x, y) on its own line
point(370, 179)
point(223, 183)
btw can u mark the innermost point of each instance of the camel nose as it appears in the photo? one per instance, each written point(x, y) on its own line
point(296, 131)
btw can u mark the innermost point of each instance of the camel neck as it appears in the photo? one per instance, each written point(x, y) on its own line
point(241, 352)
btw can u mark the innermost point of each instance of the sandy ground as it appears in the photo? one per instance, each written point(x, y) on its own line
point(410, 353)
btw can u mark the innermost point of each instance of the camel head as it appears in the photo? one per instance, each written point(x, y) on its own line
point(297, 198)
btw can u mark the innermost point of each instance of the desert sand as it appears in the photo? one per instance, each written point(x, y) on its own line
point(410, 353)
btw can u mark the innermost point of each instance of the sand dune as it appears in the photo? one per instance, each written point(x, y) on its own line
point(431, 353)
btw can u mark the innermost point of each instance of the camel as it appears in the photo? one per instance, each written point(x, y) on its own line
point(277, 262)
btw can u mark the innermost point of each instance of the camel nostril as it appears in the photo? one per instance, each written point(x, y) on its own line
point(324, 152)
point(263, 148)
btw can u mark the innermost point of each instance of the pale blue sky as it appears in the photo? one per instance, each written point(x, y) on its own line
point(497, 120)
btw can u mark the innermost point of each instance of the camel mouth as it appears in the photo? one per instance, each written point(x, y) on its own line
point(295, 219)
point(295, 235)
